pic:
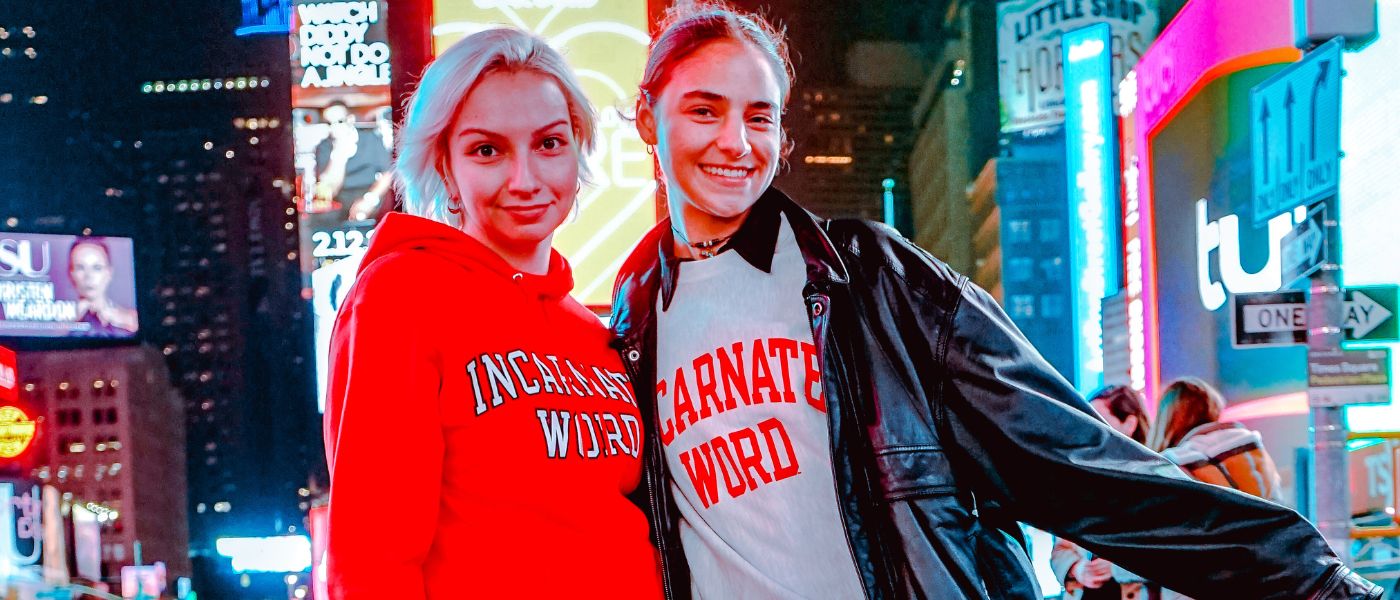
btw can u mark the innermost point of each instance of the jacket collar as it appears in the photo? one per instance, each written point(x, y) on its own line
point(755, 241)
point(646, 272)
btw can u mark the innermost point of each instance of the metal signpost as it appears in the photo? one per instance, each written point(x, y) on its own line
point(1296, 133)
point(1305, 248)
point(1281, 318)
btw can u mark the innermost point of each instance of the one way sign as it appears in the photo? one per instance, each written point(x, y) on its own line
point(1280, 318)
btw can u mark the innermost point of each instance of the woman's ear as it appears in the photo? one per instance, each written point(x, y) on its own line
point(646, 123)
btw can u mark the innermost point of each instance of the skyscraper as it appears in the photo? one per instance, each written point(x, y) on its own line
point(175, 132)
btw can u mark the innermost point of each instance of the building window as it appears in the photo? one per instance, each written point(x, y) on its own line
point(1020, 269)
point(1018, 231)
point(1022, 306)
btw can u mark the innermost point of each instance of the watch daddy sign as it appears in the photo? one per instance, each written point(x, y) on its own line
point(1031, 57)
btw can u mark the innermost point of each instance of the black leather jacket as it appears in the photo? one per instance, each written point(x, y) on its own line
point(947, 428)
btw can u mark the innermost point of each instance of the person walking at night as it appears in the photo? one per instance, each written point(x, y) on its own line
point(832, 413)
point(1085, 576)
point(481, 434)
point(1189, 433)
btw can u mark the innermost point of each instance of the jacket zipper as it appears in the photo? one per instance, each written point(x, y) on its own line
point(819, 304)
point(633, 356)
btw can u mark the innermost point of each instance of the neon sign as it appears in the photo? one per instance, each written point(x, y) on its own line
point(16, 431)
point(1191, 52)
point(1222, 237)
point(1089, 146)
point(277, 554)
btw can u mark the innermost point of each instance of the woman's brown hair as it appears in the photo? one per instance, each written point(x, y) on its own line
point(1122, 402)
point(1186, 404)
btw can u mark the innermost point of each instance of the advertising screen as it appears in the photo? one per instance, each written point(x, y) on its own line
point(605, 43)
point(66, 286)
point(1208, 249)
point(343, 136)
point(265, 16)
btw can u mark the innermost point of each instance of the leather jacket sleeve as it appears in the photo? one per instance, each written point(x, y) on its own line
point(1031, 447)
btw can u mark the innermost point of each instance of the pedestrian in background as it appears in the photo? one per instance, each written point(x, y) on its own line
point(1189, 432)
point(1085, 576)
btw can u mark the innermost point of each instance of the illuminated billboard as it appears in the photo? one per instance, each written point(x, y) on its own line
point(343, 136)
point(1030, 53)
point(605, 43)
point(66, 286)
point(9, 375)
point(277, 554)
point(265, 16)
point(1191, 241)
point(1091, 158)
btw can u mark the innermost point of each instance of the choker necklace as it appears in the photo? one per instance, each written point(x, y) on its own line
point(707, 248)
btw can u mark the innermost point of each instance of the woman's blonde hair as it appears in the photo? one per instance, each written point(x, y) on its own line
point(421, 166)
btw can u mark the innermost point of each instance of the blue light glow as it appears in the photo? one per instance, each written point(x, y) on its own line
point(1092, 187)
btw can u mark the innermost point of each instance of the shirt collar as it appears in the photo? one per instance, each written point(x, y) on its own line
point(756, 241)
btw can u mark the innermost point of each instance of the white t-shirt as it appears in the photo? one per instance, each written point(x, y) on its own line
point(744, 427)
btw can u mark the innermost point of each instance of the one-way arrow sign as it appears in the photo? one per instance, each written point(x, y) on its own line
point(1305, 248)
point(1366, 315)
point(1281, 318)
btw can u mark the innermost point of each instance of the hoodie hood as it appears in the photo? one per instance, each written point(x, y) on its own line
point(1212, 440)
point(400, 232)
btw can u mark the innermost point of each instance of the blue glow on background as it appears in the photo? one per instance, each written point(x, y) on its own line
point(1092, 192)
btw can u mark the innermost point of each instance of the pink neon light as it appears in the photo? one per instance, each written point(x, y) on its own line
point(1207, 39)
point(1283, 405)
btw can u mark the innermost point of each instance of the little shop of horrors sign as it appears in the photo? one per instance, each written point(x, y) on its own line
point(1031, 58)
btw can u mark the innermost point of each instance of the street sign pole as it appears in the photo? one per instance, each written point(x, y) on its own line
point(1331, 489)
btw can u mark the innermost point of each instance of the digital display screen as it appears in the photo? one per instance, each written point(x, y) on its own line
point(67, 286)
point(343, 136)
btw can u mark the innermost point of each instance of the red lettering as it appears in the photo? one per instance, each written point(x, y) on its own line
point(812, 373)
point(704, 366)
point(784, 350)
point(728, 465)
point(731, 374)
point(780, 471)
point(683, 406)
point(702, 474)
point(762, 376)
point(750, 458)
point(668, 432)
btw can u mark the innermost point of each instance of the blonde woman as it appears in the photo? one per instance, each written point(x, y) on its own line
point(481, 435)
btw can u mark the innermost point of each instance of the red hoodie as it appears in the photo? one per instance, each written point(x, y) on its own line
point(481, 434)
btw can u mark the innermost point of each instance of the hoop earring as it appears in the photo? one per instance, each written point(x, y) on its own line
point(651, 150)
point(454, 204)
